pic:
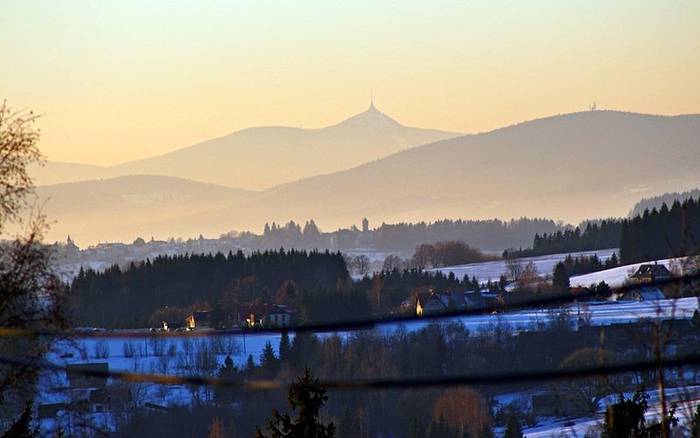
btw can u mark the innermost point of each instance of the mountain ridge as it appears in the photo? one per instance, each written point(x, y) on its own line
point(261, 157)
point(571, 167)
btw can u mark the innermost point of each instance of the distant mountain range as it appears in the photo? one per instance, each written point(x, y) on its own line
point(259, 158)
point(574, 166)
point(571, 167)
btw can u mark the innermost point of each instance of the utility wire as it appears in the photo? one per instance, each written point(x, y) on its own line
point(372, 384)
point(356, 324)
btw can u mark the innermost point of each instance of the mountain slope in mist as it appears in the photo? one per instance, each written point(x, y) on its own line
point(126, 207)
point(588, 164)
point(56, 172)
point(570, 167)
point(259, 158)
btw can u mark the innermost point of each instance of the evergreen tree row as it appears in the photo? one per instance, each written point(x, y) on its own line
point(317, 284)
point(594, 236)
point(663, 233)
point(655, 234)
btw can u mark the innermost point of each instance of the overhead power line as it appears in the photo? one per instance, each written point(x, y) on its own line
point(372, 384)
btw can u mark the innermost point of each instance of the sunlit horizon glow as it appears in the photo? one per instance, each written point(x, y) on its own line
point(118, 81)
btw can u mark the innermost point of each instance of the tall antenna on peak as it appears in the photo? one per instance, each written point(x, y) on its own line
point(371, 100)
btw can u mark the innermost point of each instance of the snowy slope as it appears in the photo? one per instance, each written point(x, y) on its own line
point(493, 270)
point(615, 277)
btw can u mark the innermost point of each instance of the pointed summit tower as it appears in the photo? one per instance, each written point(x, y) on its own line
point(371, 103)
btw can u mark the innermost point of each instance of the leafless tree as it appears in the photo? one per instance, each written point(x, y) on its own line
point(514, 269)
point(30, 292)
point(392, 262)
point(101, 349)
point(361, 264)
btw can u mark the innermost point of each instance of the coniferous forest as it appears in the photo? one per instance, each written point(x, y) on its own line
point(128, 297)
point(655, 234)
point(603, 235)
point(317, 284)
point(663, 233)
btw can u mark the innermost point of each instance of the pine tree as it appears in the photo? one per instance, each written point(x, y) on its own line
point(560, 278)
point(513, 429)
point(227, 372)
point(22, 428)
point(268, 361)
point(626, 417)
point(285, 345)
point(250, 364)
point(306, 397)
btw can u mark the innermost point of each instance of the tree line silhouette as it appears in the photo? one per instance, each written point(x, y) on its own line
point(655, 234)
point(316, 283)
point(492, 234)
point(594, 236)
point(663, 233)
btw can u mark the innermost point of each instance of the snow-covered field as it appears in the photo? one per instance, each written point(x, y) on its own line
point(178, 354)
point(615, 277)
point(598, 313)
point(493, 270)
point(240, 346)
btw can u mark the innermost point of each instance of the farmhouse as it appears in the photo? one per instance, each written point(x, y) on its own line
point(642, 293)
point(172, 324)
point(650, 273)
point(268, 315)
point(198, 319)
point(434, 302)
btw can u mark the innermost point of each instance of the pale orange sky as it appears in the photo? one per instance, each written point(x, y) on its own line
point(118, 81)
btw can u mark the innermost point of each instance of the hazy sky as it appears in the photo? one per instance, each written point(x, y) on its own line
point(128, 79)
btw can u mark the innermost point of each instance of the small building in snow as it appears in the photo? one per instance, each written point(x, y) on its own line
point(172, 325)
point(440, 302)
point(198, 319)
point(641, 293)
point(651, 273)
point(268, 315)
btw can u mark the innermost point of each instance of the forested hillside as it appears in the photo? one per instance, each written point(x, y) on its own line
point(603, 235)
point(652, 235)
point(128, 298)
point(658, 201)
point(663, 233)
point(492, 234)
point(315, 283)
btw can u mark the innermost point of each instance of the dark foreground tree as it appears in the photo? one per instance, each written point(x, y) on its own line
point(625, 419)
point(306, 397)
point(513, 429)
point(22, 428)
point(30, 293)
point(229, 373)
point(560, 278)
point(695, 424)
